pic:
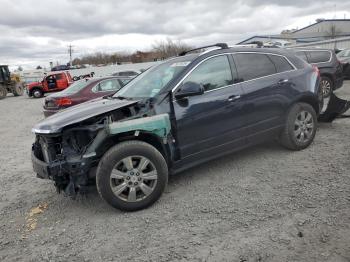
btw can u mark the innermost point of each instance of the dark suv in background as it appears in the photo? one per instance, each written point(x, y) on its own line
point(331, 69)
point(178, 114)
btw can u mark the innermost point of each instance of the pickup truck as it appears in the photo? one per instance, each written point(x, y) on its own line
point(50, 83)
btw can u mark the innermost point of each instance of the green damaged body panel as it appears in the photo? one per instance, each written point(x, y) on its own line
point(158, 124)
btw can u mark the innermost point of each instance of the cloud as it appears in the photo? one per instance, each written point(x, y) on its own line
point(39, 31)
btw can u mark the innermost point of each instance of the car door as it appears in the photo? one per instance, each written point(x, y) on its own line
point(212, 119)
point(61, 81)
point(266, 90)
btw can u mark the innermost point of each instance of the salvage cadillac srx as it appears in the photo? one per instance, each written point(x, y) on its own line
point(180, 113)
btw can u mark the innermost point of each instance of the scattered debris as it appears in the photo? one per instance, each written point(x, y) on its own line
point(32, 218)
point(336, 108)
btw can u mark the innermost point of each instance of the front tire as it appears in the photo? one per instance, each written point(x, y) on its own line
point(300, 127)
point(132, 175)
point(37, 93)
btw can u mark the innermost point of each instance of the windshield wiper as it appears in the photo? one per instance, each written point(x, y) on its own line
point(121, 97)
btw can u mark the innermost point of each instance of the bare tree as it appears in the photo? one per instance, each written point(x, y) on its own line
point(160, 50)
point(169, 47)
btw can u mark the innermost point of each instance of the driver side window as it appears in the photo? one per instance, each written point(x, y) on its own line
point(212, 73)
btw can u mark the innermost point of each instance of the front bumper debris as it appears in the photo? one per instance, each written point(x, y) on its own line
point(336, 108)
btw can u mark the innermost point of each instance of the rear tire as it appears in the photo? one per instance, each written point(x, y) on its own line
point(326, 85)
point(18, 90)
point(131, 175)
point(3, 92)
point(300, 127)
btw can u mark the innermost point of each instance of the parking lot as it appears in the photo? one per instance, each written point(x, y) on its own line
point(263, 204)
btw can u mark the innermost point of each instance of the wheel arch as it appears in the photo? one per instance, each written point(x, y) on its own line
point(311, 100)
point(144, 136)
point(328, 75)
point(35, 88)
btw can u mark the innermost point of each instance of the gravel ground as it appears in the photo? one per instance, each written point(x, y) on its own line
point(263, 204)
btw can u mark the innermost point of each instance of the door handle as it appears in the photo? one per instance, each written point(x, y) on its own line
point(283, 81)
point(233, 98)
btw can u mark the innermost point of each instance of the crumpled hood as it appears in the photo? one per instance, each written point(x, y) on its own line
point(78, 113)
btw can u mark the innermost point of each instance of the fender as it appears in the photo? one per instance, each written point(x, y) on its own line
point(158, 125)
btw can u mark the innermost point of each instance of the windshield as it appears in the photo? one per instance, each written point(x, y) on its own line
point(149, 83)
point(344, 53)
point(75, 87)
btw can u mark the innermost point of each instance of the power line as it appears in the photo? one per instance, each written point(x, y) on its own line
point(70, 52)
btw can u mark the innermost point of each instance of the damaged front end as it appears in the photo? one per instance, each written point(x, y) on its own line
point(335, 108)
point(70, 157)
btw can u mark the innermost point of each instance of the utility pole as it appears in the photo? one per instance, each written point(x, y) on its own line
point(70, 51)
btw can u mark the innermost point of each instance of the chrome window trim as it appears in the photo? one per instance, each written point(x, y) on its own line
point(231, 53)
point(330, 59)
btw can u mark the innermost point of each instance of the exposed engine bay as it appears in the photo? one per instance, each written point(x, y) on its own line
point(70, 157)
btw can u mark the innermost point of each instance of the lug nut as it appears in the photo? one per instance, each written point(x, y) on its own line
point(137, 173)
point(136, 183)
point(128, 178)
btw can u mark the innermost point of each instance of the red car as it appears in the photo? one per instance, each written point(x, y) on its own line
point(51, 83)
point(82, 91)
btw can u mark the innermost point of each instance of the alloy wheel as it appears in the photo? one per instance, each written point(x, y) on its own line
point(303, 127)
point(133, 178)
point(37, 94)
point(326, 87)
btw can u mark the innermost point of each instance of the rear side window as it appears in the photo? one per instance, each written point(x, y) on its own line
point(251, 66)
point(107, 85)
point(124, 81)
point(281, 63)
point(301, 55)
point(59, 77)
point(212, 73)
point(319, 56)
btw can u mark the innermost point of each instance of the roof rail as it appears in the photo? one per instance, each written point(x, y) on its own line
point(221, 45)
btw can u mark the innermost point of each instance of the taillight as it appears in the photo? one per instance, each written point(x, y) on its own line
point(316, 70)
point(65, 101)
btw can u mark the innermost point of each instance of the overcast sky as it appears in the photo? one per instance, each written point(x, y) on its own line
point(34, 32)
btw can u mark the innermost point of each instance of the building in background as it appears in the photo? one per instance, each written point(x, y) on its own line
point(323, 29)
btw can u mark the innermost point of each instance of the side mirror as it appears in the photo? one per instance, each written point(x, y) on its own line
point(189, 89)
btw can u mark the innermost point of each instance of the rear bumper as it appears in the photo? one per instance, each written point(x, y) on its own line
point(50, 112)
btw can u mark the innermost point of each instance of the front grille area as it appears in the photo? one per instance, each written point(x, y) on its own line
point(48, 149)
